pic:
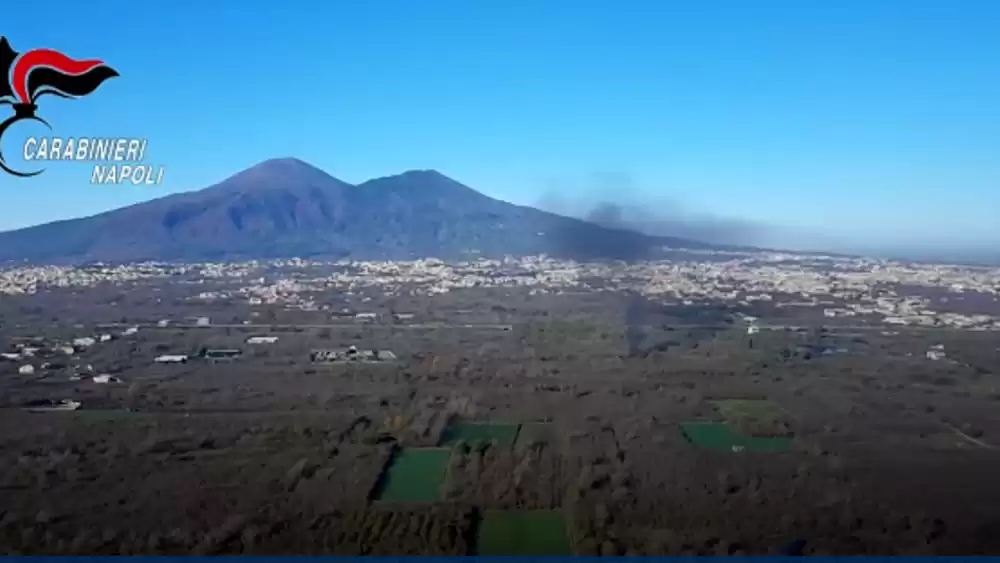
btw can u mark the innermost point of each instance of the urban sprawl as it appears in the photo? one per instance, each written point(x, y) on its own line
point(871, 290)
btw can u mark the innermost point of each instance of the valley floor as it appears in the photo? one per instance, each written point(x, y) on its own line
point(573, 431)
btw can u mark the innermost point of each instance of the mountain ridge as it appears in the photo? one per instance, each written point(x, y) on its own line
point(286, 207)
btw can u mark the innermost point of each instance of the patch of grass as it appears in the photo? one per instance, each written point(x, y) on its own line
point(754, 417)
point(761, 408)
point(721, 437)
point(415, 475)
point(523, 532)
point(476, 432)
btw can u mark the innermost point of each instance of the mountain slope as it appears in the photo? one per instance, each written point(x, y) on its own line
point(285, 207)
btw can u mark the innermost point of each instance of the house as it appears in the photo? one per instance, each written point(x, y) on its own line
point(366, 316)
point(753, 329)
point(68, 350)
point(103, 337)
point(10, 356)
point(384, 355)
point(163, 323)
point(351, 354)
point(262, 340)
point(171, 359)
point(84, 342)
point(203, 321)
point(46, 405)
point(337, 355)
point(402, 316)
point(105, 378)
point(26, 369)
point(324, 356)
point(935, 355)
point(130, 331)
point(221, 355)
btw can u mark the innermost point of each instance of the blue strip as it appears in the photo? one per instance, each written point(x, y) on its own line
point(431, 559)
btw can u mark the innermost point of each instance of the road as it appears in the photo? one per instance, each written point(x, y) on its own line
point(508, 327)
point(424, 326)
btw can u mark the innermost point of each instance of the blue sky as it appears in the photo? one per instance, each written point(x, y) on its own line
point(849, 122)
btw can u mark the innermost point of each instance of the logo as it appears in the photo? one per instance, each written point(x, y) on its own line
point(30, 75)
point(25, 77)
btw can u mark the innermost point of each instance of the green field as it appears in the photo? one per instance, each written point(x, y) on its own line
point(415, 475)
point(753, 417)
point(720, 437)
point(473, 432)
point(523, 532)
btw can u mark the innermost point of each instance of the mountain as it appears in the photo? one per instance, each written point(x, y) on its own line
point(286, 207)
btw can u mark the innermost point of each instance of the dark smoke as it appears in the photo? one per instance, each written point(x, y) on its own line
point(612, 200)
point(664, 219)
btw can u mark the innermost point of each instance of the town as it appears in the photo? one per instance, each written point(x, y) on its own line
point(866, 290)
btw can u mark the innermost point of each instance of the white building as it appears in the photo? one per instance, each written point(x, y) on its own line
point(262, 340)
point(171, 359)
point(84, 342)
point(26, 369)
point(105, 378)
